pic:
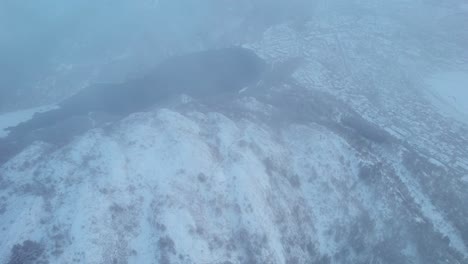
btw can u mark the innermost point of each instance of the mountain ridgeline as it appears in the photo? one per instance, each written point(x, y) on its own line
point(211, 72)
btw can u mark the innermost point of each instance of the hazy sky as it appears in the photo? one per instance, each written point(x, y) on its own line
point(53, 48)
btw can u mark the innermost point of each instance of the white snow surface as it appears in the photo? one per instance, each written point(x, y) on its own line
point(195, 187)
point(189, 183)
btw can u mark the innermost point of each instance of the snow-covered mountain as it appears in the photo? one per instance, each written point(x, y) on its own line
point(352, 150)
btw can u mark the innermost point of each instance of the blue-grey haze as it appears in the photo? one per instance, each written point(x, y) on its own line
point(341, 137)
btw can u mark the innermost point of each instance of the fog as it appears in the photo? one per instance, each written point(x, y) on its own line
point(53, 48)
point(234, 131)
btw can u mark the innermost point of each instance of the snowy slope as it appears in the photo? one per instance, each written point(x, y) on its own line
point(197, 187)
point(172, 186)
